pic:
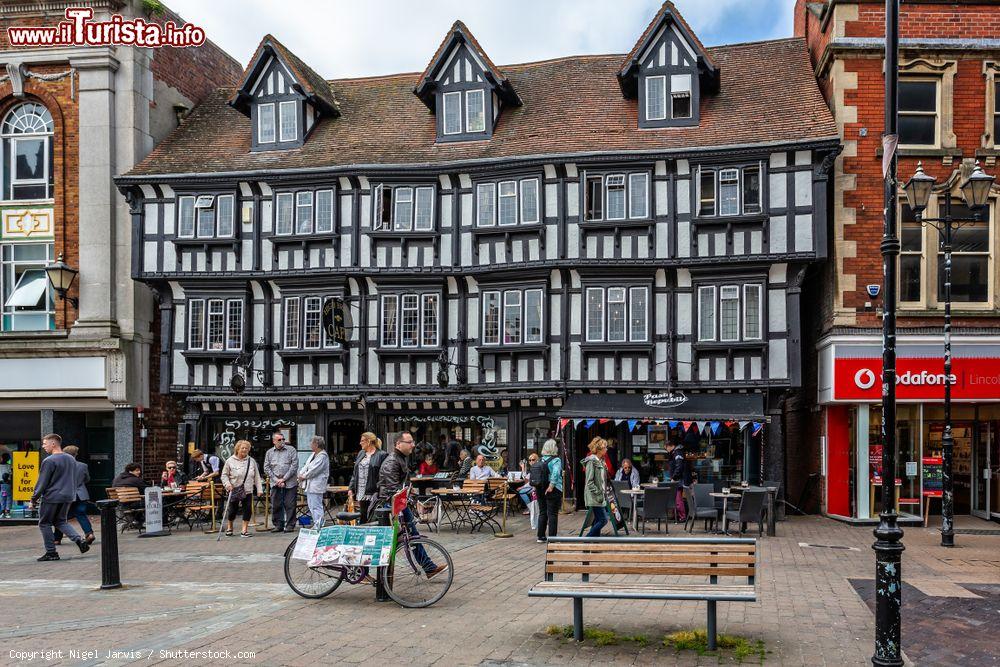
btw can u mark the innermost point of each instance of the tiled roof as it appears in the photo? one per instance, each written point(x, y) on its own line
point(571, 105)
point(312, 83)
point(667, 6)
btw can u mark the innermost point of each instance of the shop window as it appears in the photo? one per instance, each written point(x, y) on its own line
point(28, 303)
point(617, 314)
point(918, 112)
point(403, 208)
point(26, 135)
point(512, 317)
point(410, 320)
point(507, 203)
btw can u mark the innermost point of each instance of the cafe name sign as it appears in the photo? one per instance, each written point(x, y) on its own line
point(668, 399)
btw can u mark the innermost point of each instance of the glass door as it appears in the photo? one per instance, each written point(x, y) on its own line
point(981, 470)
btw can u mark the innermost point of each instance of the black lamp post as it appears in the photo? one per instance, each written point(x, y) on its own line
point(976, 191)
point(61, 277)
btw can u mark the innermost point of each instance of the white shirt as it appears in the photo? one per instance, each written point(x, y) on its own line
point(482, 473)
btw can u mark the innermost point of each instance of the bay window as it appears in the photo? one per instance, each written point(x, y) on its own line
point(730, 313)
point(410, 320)
point(205, 216)
point(507, 203)
point(614, 197)
point(403, 208)
point(215, 324)
point(617, 314)
point(729, 191)
point(303, 323)
point(512, 316)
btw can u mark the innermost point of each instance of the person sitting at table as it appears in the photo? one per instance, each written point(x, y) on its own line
point(131, 476)
point(464, 464)
point(481, 470)
point(428, 468)
point(628, 473)
point(172, 476)
point(199, 468)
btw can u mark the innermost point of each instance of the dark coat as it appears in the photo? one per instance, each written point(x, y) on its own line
point(128, 479)
point(394, 473)
point(371, 482)
point(680, 471)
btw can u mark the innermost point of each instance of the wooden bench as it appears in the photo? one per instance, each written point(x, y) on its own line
point(131, 507)
point(693, 565)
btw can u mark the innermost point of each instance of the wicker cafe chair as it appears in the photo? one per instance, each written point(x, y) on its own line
point(657, 504)
point(751, 510)
point(702, 506)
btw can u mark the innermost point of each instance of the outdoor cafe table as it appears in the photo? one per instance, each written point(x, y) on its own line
point(639, 493)
point(725, 505)
point(422, 482)
point(462, 502)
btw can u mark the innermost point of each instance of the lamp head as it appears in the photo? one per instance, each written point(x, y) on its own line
point(918, 189)
point(976, 188)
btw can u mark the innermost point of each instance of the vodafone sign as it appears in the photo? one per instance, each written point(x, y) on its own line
point(918, 379)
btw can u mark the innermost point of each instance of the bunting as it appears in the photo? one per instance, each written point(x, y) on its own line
point(715, 427)
point(758, 427)
point(701, 426)
point(587, 423)
point(744, 424)
point(632, 424)
point(673, 423)
point(687, 426)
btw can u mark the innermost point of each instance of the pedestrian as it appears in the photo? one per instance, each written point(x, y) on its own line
point(199, 467)
point(131, 476)
point(241, 479)
point(6, 488)
point(546, 477)
point(315, 475)
point(528, 494)
point(680, 472)
point(56, 489)
point(281, 464)
point(593, 486)
point(611, 457)
point(78, 510)
point(363, 486)
point(393, 476)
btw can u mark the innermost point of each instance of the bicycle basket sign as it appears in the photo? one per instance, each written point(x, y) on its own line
point(366, 546)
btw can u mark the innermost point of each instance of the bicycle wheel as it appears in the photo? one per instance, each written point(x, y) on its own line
point(407, 583)
point(310, 582)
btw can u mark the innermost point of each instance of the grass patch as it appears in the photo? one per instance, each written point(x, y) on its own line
point(697, 641)
point(600, 636)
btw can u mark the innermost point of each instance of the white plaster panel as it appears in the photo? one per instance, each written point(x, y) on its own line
point(149, 256)
point(739, 368)
point(466, 208)
point(572, 240)
point(186, 261)
point(777, 359)
point(803, 157)
point(609, 247)
point(756, 242)
point(683, 196)
point(779, 160)
point(592, 246)
point(703, 245)
point(778, 238)
point(551, 200)
point(396, 254)
point(803, 233)
point(683, 167)
point(466, 249)
point(169, 257)
point(738, 243)
point(180, 369)
point(661, 198)
point(572, 199)
point(684, 361)
point(776, 318)
point(778, 186)
point(266, 219)
point(534, 250)
point(346, 211)
point(446, 249)
point(151, 219)
point(803, 188)
point(720, 368)
point(626, 247)
point(683, 313)
point(446, 211)
point(754, 367)
point(777, 272)
point(683, 239)
point(200, 262)
point(168, 219)
point(704, 370)
point(720, 244)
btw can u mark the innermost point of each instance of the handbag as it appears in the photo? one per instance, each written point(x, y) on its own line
point(240, 492)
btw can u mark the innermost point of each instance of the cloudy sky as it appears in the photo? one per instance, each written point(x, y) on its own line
point(347, 38)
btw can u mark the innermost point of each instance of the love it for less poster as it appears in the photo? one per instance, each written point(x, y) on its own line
point(25, 474)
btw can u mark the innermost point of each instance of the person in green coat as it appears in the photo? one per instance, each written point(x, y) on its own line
point(593, 488)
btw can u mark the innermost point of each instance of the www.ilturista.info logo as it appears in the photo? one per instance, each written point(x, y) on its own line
point(79, 30)
point(865, 379)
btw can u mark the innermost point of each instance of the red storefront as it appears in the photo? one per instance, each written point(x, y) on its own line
point(850, 396)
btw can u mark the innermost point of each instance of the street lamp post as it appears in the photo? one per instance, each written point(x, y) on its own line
point(976, 191)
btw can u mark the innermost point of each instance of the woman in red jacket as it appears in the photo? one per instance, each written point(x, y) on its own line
point(428, 468)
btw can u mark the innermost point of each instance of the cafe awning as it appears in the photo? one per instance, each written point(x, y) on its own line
point(674, 405)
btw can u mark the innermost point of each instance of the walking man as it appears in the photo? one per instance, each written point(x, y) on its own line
point(392, 476)
point(314, 477)
point(78, 510)
point(56, 489)
point(281, 465)
point(680, 473)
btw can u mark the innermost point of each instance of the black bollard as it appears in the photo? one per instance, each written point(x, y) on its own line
point(382, 516)
point(110, 572)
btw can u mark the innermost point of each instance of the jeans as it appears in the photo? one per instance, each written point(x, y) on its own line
point(548, 513)
point(54, 514)
point(600, 519)
point(78, 511)
point(419, 552)
point(6, 497)
point(315, 502)
point(283, 507)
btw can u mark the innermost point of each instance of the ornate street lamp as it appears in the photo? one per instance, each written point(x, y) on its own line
point(976, 191)
point(61, 277)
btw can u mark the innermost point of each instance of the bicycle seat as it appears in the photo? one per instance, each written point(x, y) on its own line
point(348, 516)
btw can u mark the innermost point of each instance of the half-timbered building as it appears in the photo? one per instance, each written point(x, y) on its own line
point(598, 239)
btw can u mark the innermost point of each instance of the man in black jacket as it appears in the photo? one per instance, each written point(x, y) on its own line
point(680, 473)
point(393, 476)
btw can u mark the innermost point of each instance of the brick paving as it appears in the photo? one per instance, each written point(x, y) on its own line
point(189, 592)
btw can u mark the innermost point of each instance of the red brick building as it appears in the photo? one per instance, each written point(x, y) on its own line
point(948, 119)
point(71, 118)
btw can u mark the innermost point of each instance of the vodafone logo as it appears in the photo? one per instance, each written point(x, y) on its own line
point(864, 378)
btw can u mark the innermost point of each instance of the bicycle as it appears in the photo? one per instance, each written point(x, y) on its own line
point(404, 578)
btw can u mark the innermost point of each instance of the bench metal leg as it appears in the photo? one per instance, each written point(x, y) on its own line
point(578, 619)
point(711, 625)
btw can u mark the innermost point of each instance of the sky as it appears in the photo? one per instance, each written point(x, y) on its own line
point(351, 38)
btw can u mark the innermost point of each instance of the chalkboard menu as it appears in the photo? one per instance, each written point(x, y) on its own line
point(932, 476)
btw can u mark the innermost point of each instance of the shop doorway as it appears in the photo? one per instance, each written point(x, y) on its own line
point(342, 441)
point(985, 466)
point(100, 452)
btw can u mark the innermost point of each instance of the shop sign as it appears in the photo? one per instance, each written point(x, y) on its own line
point(154, 509)
point(668, 399)
point(918, 379)
point(26, 467)
point(355, 546)
point(336, 320)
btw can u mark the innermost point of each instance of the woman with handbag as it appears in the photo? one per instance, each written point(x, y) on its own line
point(241, 478)
point(364, 480)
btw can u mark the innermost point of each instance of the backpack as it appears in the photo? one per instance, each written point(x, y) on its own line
point(538, 474)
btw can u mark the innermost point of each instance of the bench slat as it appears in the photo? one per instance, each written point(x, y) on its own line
point(645, 557)
point(638, 569)
point(636, 591)
point(640, 585)
point(701, 548)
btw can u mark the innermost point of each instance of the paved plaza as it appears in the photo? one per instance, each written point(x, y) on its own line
point(188, 592)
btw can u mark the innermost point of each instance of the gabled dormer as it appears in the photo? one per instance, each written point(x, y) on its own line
point(668, 71)
point(464, 89)
point(283, 97)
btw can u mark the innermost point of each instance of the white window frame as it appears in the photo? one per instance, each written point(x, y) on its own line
point(291, 321)
point(417, 306)
point(383, 329)
point(512, 299)
point(663, 99)
point(278, 199)
point(457, 98)
point(536, 214)
point(293, 133)
point(623, 187)
point(490, 189)
point(702, 335)
point(737, 173)
point(608, 300)
point(632, 291)
point(422, 337)
point(12, 165)
point(685, 91)
point(512, 202)
point(747, 289)
point(196, 325)
point(231, 305)
point(312, 305)
point(645, 189)
point(469, 129)
point(260, 123)
point(723, 298)
point(587, 319)
point(327, 221)
point(938, 85)
point(397, 224)
point(702, 172)
point(496, 333)
point(219, 219)
point(188, 202)
point(528, 338)
point(426, 193)
point(378, 224)
point(759, 168)
point(303, 200)
point(221, 316)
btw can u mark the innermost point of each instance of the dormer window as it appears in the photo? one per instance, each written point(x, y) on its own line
point(680, 96)
point(265, 123)
point(475, 111)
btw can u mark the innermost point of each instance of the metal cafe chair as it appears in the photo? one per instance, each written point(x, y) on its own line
point(656, 504)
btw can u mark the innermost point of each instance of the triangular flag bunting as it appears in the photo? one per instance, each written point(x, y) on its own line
point(603, 421)
point(715, 427)
point(563, 422)
point(687, 425)
point(631, 424)
point(758, 427)
point(701, 427)
point(589, 422)
point(673, 424)
point(743, 425)
point(730, 424)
